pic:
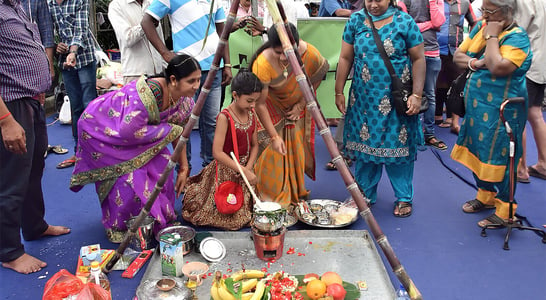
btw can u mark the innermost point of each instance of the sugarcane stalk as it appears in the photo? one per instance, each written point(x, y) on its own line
point(177, 152)
point(343, 169)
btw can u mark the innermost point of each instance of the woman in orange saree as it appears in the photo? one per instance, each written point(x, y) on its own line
point(286, 129)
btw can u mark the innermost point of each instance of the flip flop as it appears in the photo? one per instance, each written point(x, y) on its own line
point(67, 163)
point(535, 173)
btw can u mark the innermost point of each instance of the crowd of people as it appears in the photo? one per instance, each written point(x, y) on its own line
point(122, 138)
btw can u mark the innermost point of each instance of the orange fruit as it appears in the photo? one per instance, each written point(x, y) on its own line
point(315, 289)
point(331, 277)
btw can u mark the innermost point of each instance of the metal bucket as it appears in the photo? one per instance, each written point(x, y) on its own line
point(144, 236)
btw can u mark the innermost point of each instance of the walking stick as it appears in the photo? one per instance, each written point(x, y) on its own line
point(344, 171)
point(175, 157)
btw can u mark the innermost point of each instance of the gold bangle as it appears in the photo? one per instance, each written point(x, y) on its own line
point(276, 136)
point(339, 94)
point(417, 96)
point(227, 65)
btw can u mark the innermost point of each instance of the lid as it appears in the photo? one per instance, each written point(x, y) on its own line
point(212, 249)
point(95, 265)
point(148, 290)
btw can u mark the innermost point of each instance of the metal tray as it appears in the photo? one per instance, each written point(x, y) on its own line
point(351, 253)
point(324, 202)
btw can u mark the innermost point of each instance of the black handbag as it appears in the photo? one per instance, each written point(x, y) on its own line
point(455, 94)
point(400, 91)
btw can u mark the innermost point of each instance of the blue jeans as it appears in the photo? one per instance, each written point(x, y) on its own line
point(207, 118)
point(81, 87)
point(434, 64)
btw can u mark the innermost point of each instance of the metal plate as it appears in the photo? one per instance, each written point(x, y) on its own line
point(351, 253)
point(324, 202)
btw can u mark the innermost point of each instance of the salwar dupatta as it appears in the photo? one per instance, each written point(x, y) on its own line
point(281, 178)
point(123, 139)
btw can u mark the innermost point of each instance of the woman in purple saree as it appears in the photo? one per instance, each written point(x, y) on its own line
point(123, 139)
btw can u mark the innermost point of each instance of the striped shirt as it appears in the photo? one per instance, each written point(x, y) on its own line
point(189, 20)
point(38, 12)
point(24, 68)
point(71, 19)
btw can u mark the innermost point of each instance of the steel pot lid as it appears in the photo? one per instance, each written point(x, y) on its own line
point(148, 290)
point(212, 249)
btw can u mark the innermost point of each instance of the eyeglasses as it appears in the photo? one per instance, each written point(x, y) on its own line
point(489, 12)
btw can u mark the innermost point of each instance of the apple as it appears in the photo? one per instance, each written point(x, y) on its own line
point(336, 290)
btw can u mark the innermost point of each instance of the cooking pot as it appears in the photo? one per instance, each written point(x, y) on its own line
point(187, 234)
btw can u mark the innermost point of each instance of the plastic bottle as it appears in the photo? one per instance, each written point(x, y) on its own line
point(98, 277)
point(402, 294)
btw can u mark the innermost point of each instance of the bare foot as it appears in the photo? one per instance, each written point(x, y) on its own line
point(56, 230)
point(25, 264)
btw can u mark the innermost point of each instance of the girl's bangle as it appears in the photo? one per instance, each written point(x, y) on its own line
point(227, 65)
point(276, 136)
point(339, 94)
point(5, 116)
point(471, 64)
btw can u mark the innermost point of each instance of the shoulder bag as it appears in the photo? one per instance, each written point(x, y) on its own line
point(400, 91)
point(455, 94)
point(228, 196)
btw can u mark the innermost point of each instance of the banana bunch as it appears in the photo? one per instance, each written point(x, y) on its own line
point(244, 280)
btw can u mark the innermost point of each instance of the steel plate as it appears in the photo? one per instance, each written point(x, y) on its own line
point(324, 202)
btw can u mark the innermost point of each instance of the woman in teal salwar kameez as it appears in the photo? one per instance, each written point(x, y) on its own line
point(375, 135)
point(483, 144)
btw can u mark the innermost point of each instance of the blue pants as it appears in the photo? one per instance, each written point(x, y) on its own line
point(21, 198)
point(367, 176)
point(81, 87)
point(434, 64)
point(207, 119)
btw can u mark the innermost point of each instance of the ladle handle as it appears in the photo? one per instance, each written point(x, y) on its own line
point(258, 201)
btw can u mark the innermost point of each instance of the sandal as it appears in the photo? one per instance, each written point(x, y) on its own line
point(330, 166)
point(55, 149)
point(67, 163)
point(474, 206)
point(444, 124)
point(399, 206)
point(436, 143)
point(535, 173)
point(493, 222)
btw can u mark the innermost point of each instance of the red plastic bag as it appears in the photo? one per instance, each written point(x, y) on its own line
point(92, 291)
point(62, 285)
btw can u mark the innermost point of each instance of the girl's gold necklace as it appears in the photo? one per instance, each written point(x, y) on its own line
point(284, 68)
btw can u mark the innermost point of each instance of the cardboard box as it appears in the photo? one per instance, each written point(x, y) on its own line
point(90, 253)
point(172, 257)
point(82, 271)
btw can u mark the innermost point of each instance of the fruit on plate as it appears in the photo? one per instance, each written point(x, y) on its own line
point(310, 277)
point(315, 289)
point(336, 290)
point(331, 277)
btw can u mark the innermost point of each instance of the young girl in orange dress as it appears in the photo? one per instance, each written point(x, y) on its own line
point(199, 206)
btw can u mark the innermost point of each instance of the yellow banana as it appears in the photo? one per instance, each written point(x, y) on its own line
point(249, 284)
point(247, 274)
point(247, 296)
point(260, 289)
point(224, 293)
point(216, 284)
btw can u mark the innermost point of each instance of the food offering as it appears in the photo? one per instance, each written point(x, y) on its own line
point(256, 285)
point(326, 213)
